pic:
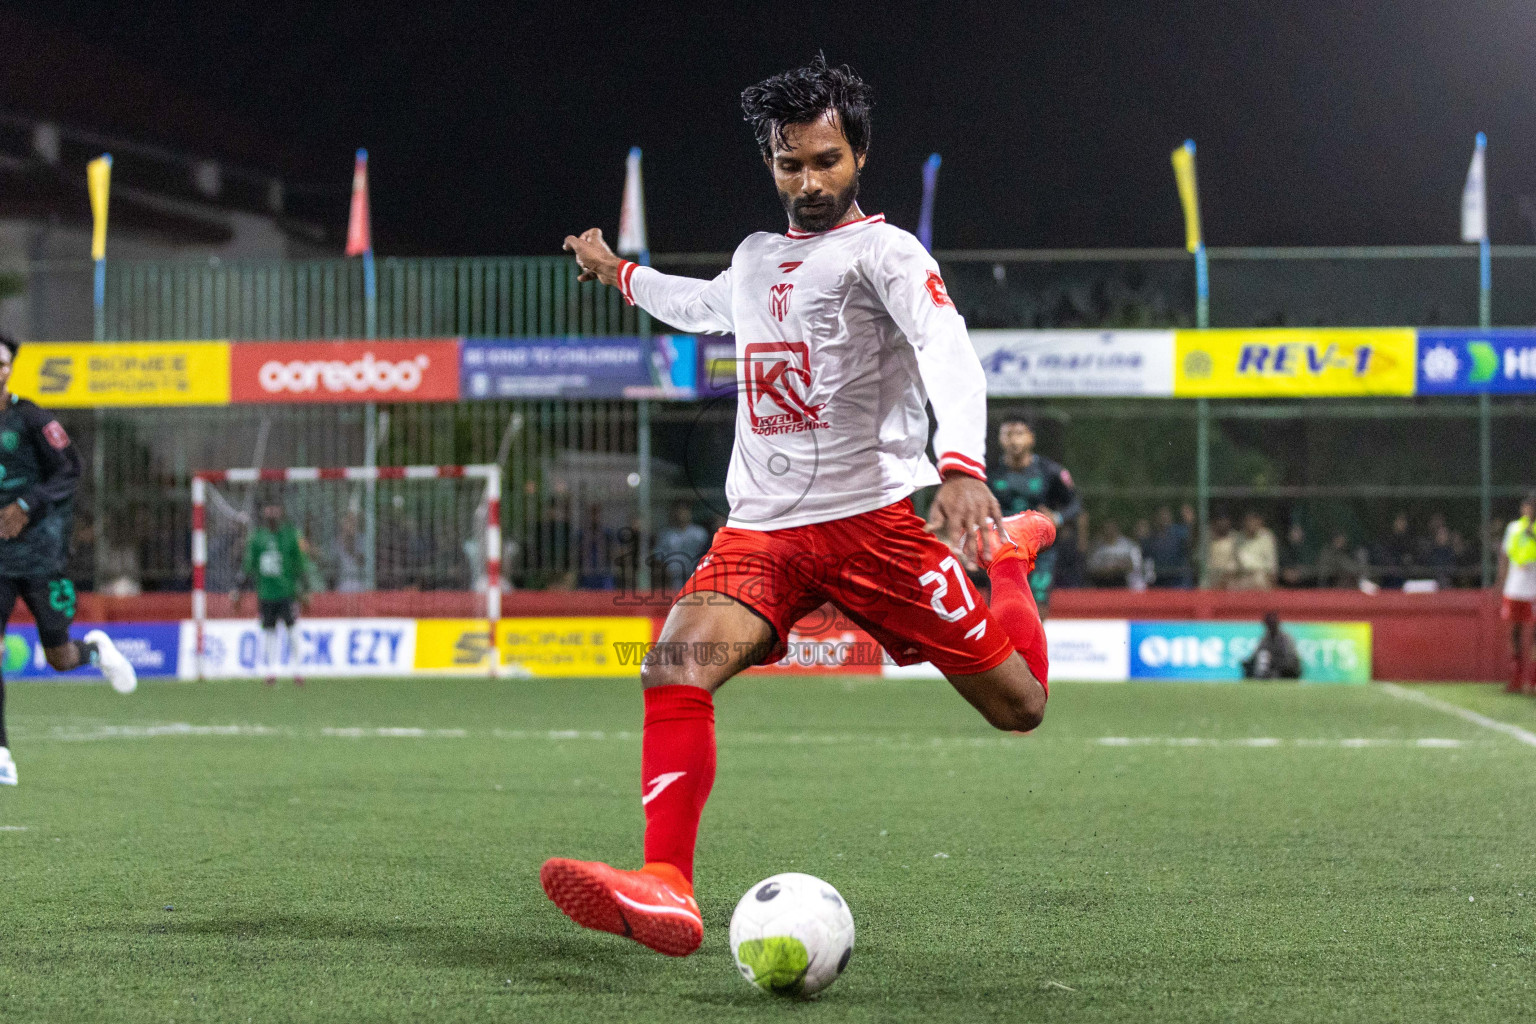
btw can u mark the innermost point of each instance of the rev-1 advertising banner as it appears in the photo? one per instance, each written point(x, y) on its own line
point(236, 649)
point(665, 366)
point(151, 647)
point(1469, 362)
point(1331, 652)
point(1067, 363)
point(1287, 362)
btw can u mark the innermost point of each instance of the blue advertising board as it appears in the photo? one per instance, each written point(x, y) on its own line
point(619, 366)
point(152, 648)
point(1331, 652)
point(1470, 362)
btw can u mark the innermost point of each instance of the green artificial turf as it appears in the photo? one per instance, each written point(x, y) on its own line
point(1148, 855)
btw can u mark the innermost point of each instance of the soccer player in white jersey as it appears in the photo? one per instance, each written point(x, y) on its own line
point(844, 332)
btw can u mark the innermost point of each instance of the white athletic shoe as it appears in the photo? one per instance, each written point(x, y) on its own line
point(113, 663)
point(7, 768)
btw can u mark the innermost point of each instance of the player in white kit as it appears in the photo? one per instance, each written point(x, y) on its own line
point(844, 333)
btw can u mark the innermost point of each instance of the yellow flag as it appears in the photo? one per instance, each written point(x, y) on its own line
point(98, 175)
point(1189, 195)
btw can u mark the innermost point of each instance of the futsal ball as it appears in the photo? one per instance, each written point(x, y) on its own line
point(792, 934)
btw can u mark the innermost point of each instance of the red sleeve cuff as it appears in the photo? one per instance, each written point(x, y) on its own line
point(954, 462)
point(626, 271)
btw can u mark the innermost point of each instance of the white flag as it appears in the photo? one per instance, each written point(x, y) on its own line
point(632, 213)
point(1474, 198)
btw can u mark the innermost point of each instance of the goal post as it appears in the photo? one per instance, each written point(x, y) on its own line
point(412, 542)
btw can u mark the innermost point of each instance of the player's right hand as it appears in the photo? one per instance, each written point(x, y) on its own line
point(13, 519)
point(596, 260)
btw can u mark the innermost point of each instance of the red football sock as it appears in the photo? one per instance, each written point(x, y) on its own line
point(1013, 606)
point(677, 769)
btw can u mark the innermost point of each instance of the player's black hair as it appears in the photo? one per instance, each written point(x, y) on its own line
point(10, 343)
point(802, 95)
point(1018, 418)
point(1530, 498)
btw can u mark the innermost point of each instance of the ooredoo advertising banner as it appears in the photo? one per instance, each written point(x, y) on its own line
point(73, 374)
point(1066, 363)
point(1467, 362)
point(1285, 362)
point(345, 371)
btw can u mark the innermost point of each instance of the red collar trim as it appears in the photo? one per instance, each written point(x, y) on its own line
point(866, 219)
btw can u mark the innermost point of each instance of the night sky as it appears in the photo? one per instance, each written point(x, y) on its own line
point(497, 128)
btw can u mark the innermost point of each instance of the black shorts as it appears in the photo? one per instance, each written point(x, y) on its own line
point(273, 612)
point(52, 602)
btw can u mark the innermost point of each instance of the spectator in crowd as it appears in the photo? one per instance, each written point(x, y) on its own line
point(1221, 555)
point(1394, 556)
point(679, 546)
point(1257, 556)
point(595, 552)
point(1297, 563)
point(1339, 565)
point(1169, 546)
point(1439, 558)
point(1072, 552)
point(1116, 562)
point(351, 556)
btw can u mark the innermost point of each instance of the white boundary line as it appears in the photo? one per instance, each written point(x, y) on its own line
point(1513, 731)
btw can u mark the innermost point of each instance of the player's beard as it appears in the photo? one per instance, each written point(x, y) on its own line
point(824, 211)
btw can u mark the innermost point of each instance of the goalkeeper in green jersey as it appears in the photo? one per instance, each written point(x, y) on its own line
point(275, 559)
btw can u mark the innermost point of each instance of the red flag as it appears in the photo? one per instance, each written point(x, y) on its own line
point(359, 233)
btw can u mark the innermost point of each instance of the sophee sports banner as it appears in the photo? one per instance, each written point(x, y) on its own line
point(1285, 362)
point(1195, 651)
point(345, 371)
point(73, 374)
point(538, 646)
point(1470, 362)
point(1066, 363)
point(236, 649)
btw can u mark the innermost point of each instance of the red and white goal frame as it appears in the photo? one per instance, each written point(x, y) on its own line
point(490, 473)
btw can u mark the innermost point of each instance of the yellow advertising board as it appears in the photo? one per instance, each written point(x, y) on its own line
point(84, 374)
point(1287, 362)
point(542, 646)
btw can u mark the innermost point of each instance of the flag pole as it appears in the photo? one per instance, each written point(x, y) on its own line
point(1474, 226)
point(1183, 159)
point(930, 185)
point(633, 242)
point(98, 179)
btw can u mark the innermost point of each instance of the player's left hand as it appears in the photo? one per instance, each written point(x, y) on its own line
point(13, 519)
point(962, 505)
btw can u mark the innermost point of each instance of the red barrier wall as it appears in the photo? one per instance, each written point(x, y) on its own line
point(1455, 635)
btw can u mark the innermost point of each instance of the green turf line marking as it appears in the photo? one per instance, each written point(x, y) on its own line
point(1514, 731)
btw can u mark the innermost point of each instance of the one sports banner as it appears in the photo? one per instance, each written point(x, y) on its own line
point(1284, 362)
point(130, 373)
point(1331, 652)
point(1066, 363)
point(1469, 362)
point(345, 371)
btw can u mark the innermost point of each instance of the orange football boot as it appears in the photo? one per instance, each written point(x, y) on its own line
point(1026, 534)
point(654, 906)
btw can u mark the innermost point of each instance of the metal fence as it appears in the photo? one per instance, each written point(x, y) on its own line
point(1327, 465)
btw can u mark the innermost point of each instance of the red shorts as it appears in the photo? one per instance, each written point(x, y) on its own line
point(1514, 610)
point(901, 585)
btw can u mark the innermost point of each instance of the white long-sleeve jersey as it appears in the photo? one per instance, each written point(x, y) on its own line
point(841, 337)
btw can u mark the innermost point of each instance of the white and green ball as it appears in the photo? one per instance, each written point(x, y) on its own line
point(792, 934)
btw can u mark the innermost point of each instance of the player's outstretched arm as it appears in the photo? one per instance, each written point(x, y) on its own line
point(684, 302)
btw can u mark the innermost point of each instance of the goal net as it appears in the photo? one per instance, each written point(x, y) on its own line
point(401, 571)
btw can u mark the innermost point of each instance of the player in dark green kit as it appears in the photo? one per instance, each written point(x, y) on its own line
point(1023, 480)
point(39, 469)
point(275, 559)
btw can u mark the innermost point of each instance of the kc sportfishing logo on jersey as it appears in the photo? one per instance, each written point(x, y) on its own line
point(778, 384)
point(778, 300)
